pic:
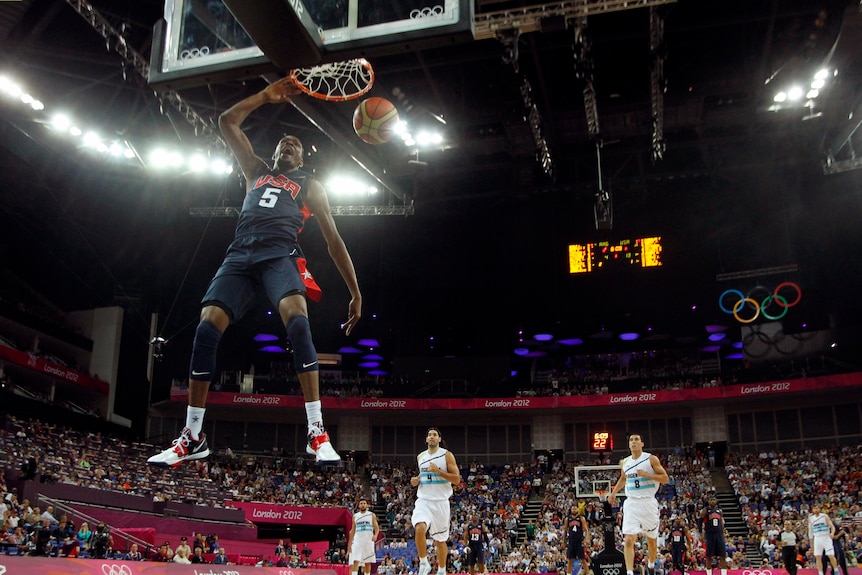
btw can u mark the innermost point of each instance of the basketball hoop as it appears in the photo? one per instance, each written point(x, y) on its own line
point(335, 82)
point(602, 494)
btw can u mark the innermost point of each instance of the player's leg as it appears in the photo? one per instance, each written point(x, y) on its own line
point(629, 553)
point(652, 552)
point(293, 310)
point(442, 556)
point(420, 519)
point(192, 443)
point(354, 567)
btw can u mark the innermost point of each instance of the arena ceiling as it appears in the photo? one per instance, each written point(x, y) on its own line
point(739, 186)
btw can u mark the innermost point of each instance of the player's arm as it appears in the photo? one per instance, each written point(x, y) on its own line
point(586, 529)
point(231, 119)
point(453, 475)
point(376, 525)
point(621, 482)
point(467, 538)
point(831, 527)
point(659, 474)
point(351, 534)
point(414, 481)
point(318, 203)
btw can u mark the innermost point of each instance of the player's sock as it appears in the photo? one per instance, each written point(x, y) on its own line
point(195, 420)
point(314, 415)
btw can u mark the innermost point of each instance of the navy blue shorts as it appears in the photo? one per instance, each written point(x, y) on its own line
point(251, 264)
point(477, 557)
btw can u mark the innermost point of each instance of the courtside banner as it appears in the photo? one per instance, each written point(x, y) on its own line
point(41, 365)
point(295, 515)
point(64, 566)
point(68, 566)
point(810, 384)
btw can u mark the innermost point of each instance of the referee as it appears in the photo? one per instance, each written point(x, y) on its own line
point(787, 539)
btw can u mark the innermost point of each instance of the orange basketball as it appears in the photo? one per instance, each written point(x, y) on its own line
point(374, 120)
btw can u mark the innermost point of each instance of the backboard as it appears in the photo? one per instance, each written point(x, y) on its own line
point(592, 478)
point(202, 41)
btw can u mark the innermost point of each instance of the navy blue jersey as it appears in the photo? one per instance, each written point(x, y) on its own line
point(575, 531)
point(476, 536)
point(274, 206)
point(714, 521)
point(677, 536)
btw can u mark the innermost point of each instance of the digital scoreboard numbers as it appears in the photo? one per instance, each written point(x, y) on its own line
point(601, 441)
point(599, 256)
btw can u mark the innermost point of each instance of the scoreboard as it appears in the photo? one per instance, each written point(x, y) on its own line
point(601, 441)
point(636, 252)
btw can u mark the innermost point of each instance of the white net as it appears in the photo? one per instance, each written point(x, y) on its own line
point(337, 81)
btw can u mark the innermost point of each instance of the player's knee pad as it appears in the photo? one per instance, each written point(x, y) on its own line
point(304, 354)
point(207, 337)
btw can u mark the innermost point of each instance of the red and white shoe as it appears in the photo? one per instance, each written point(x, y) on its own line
point(183, 448)
point(321, 448)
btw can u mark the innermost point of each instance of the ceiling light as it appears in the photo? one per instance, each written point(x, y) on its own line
point(92, 139)
point(812, 94)
point(794, 93)
point(822, 74)
point(817, 84)
point(198, 163)
point(780, 97)
point(10, 87)
point(61, 122)
point(75, 131)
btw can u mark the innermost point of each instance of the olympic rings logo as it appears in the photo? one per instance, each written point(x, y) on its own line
point(116, 569)
point(426, 12)
point(610, 571)
point(757, 572)
point(766, 306)
point(194, 53)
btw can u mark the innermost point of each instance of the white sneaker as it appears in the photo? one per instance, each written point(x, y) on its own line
point(321, 448)
point(183, 448)
point(424, 567)
point(441, 572)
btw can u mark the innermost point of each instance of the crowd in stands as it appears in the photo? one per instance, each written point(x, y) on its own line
point(771, 487)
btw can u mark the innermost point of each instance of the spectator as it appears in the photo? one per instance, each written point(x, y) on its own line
point(221, 558)
point(134, 554)
point(198, 557)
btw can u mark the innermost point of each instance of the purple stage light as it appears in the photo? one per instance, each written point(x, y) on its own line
point(715, 328)
point(348, 349)
point(717, 336)
point(710, 348)
point(629, 336)
point(369, 364)
point(378, 372)
point(369, 342)
point(536, 354)
point(273, 349)
point(266, 337)
point(737, 344)
point(372, 357)
point(571, 341)
point(734, 356)
point(543, 337)
point(513, 373)
point(521, 351)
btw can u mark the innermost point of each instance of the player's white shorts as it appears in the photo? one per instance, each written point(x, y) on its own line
point(640, 515)
point(363, 552)
point(823, 544)
point(435, 513)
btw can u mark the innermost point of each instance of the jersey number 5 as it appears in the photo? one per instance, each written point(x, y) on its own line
point(269, 197)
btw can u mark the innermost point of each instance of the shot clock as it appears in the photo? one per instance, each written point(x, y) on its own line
point(601, 441)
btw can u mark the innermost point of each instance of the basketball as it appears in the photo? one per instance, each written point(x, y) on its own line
point(374, 120)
